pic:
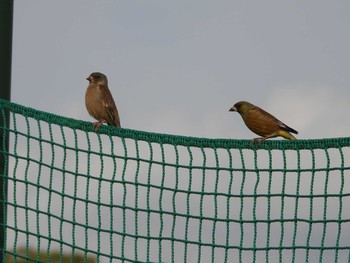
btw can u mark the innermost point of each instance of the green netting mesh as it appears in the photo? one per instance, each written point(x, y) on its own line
point(74, 195)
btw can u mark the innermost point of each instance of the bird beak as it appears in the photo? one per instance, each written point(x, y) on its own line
point(88, 78)
point(233, 108)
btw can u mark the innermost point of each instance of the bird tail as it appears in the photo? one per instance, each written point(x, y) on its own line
point(286, 135)
point(289, 129)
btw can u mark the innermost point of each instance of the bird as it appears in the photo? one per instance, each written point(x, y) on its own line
point(262, 123)
point(99, 101)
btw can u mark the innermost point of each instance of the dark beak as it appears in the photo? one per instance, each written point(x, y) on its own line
point(88, 78)
point(233, 108)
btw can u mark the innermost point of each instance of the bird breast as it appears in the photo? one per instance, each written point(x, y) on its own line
point(93, 101)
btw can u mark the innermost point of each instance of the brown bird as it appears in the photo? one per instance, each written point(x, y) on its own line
point(262, 122)
point(99, 101)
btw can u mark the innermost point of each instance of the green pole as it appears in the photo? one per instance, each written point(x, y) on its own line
point(6, 23)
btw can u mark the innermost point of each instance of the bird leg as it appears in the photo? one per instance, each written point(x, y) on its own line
point(97, 125)
point(260, 140)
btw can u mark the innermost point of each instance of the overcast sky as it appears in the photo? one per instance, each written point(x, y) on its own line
point(178, 66)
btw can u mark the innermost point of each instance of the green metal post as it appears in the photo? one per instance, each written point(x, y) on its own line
point(6, 24)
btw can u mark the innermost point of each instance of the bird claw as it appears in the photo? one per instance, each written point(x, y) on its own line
point(260, 140)
point(97, 125)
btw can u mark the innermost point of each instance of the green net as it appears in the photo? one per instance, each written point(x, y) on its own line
point(69, 194)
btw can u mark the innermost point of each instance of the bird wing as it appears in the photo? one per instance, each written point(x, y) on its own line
point(111, 108)
point(286, 128)
point(261, 122)
point(265, 124)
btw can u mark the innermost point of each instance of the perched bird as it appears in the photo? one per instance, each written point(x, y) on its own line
point(262, 122)
point(99, 101)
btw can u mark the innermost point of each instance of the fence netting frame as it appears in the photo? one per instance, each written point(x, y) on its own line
point(71, 194)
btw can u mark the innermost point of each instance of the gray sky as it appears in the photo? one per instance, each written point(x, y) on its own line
point(178, 66)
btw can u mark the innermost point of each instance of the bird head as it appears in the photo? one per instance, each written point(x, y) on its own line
point(97, 78)
point(242, 107)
